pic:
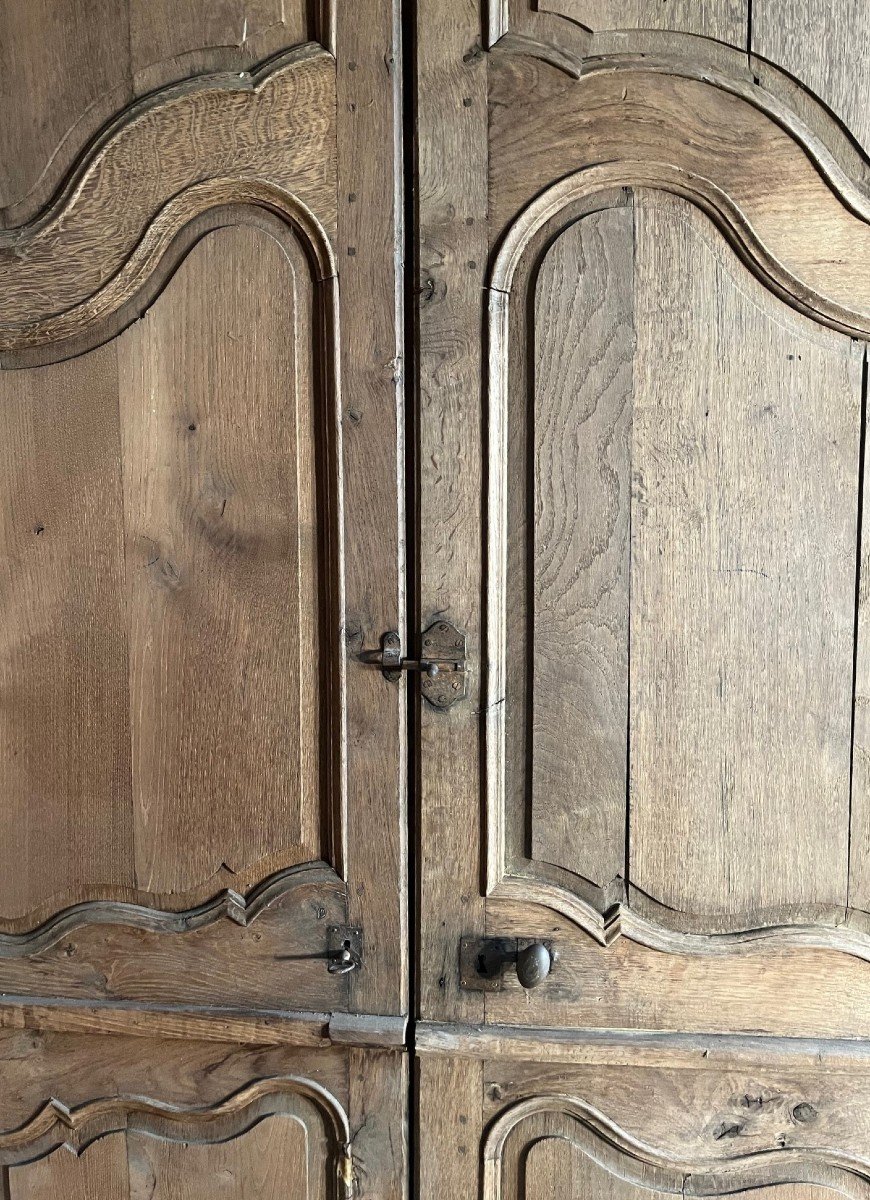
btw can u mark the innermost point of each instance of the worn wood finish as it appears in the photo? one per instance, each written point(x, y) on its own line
point(698, 1126)
point(451, 102)
point(190, 1115)
point(66, 71)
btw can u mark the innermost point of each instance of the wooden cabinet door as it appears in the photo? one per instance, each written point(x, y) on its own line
point(202, 787)
point(643, 308)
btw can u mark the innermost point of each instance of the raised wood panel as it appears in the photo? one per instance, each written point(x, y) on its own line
point(166, 595)
point(691, 509)
point(555, 1146)
point(271, 1137)
point(67, 70)
point(625, 1120)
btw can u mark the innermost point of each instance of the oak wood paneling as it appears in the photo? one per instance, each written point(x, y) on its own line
point(584, 342)
point(64, 732)
point(825, 44)
point(725, 20)
point(150, 652)
point(65, 70)
point(220, 457)
point(744, 525)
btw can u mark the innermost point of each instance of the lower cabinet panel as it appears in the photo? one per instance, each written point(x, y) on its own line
point(116, 1118)
point(510, 1128)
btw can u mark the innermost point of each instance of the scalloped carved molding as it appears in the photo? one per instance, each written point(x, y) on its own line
point(529, 881)
point(620, 1154)
point(226, 905)
point(56, 1126)
point(266, 141)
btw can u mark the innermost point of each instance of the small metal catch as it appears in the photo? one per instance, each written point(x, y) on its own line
point(441, 663)
point(343, 949)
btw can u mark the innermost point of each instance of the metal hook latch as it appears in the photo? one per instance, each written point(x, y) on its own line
point(441, 663)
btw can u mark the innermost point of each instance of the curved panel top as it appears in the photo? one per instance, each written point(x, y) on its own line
point(607, 1147)
point(267, 139)
point(751, 175)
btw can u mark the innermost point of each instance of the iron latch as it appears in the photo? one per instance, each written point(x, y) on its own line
point(441, 663)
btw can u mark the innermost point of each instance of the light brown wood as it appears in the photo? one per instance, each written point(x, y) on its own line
point(451, 100)
point(581, 554)
point(66, 71)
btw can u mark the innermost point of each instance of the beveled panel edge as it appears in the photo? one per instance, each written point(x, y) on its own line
point(56, 1126)
point(227, 904)
point(614, 1150)
point(530, 885)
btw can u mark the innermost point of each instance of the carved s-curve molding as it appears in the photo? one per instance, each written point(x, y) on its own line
point(266, 140)
point(227, 905)
point(56, 1126)
point(612, 1150)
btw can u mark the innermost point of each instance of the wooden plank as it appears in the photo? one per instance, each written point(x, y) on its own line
point(584, 341)
point(859, 842)
point(825, 44)
point(224, 587)
point(370, 254)
point(449, 1127)
point(746, 428)
point(725, 20)
point(628, 986)
point(64, 726)
point(267, 1161)
point(100, 1172)
point(378, 1113)
point(639, 1048)
point(452, 191)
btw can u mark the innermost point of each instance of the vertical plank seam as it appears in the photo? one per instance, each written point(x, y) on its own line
point(627, 865)
point(859, 537)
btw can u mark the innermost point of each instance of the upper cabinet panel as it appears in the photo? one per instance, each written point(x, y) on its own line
point(67, 69)
point(680, 560)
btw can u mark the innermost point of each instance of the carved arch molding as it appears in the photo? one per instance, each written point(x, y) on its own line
point(547, 1139)
point(630, 137)
point(264, 1135)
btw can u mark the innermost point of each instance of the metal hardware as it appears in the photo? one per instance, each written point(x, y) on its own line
point(483, 961)
point(343, 949)
point(441, 664)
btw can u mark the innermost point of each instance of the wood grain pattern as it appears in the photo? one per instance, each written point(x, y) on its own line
point(744, 525)
point(829, 652)
point(725, 20)
point(167, 1151)
point(65, 72)
point(90, 254)
point(210, 473)
point(451, 97)
point(580, 556)
point(826, 47)
point(602, 1158)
